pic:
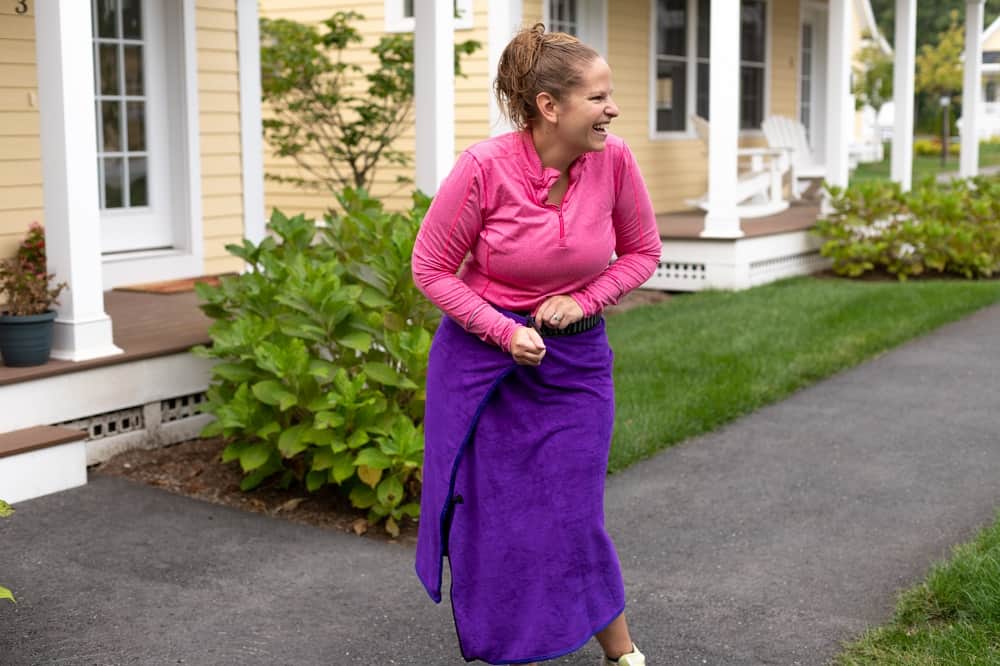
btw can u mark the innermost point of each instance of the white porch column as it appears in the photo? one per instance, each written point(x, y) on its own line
point(970, 87)
point(839, 111)
point(434, 92)
point(504, 20)
point(69, 175)
point(251, 123)
point(722, 219)
point(905, 50)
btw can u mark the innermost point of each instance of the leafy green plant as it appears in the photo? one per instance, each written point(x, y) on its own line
point(335, 121)
point(951, 228)
point(323, 347)
point(6, 510)
point(25, 283)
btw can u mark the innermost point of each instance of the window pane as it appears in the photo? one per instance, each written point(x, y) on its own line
point(113, 167)
point(107, 18)
point(671, 96)
point(137, 182)
point(671, 27)
point(752, 31)
point(407, 8)
point(704, 27)
point(136, 130)
point(701, 102)
point(132, 19)
point(111, 126)
point(109, 70)
point(133, 70)
point(751, 97)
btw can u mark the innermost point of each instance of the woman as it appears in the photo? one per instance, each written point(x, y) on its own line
point(520, 401)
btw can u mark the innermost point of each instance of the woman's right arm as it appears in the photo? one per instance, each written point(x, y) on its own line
point(449, 230)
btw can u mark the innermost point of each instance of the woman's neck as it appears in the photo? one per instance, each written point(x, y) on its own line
point(550, 152)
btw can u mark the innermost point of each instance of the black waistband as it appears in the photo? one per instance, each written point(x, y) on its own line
point(580, 326)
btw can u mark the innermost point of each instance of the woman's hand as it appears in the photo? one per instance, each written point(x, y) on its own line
point(526, 346)
point(558, 312)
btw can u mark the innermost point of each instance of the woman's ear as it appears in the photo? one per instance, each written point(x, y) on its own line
point(547, 106)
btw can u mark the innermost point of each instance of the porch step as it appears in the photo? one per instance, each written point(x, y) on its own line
point(41, 460)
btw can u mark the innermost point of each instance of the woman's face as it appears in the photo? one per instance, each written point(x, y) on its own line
point(584, 113)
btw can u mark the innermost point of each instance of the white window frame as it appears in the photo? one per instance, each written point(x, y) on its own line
point(186, 257)
point(692, 74)
point(591, 20)
point(395, 21)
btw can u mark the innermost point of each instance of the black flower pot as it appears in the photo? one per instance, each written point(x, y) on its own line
point(26, 339)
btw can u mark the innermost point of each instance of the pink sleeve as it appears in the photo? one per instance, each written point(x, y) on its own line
point(449, 230)
point(637, 241)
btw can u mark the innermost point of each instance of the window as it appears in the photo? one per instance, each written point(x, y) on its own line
point(120, 94)
point(805, 84)
point(399, 15)
point(675, 62)
point(564, 17)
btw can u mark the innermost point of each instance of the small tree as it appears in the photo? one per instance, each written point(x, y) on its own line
point(336, 122)
point(939, 71)
point(873, 84)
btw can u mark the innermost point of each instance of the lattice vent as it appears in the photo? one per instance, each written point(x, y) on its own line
point(182, 407)
point(109, 424)
point(679, 271)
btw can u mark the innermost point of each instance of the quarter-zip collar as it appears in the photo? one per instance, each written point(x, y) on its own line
point(542, 178)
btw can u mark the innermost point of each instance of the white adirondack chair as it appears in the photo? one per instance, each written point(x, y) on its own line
point(759, 181)
point(783, 132)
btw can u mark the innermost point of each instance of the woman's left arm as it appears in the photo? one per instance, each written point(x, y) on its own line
point(637, 240)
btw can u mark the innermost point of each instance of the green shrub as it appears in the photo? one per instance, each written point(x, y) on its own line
point(936, 229)
point(932, 148)
point(323, 346)
point(5, 511)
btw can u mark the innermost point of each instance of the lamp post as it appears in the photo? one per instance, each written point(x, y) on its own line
point(945, 127)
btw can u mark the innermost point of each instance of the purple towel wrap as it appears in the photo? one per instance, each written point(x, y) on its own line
point(513, 494)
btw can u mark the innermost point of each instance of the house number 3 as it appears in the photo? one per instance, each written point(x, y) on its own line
point(21, 7)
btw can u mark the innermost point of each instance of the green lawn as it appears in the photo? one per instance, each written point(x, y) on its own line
point(687, 366)
point(923, 166)
point(951, 618)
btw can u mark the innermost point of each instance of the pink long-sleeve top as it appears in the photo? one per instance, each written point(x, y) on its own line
point(521, 250)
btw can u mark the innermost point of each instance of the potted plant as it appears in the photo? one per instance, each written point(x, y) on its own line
point(26, 319)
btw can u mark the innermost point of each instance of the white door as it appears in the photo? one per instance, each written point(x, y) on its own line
point(812, 78)
point(133, 131)
point(585, 19)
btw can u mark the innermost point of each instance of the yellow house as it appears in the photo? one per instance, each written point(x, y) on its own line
point(659, 51)
point(989, 110)
point(131, 129)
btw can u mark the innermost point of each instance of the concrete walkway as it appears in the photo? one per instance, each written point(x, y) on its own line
point(768, 542)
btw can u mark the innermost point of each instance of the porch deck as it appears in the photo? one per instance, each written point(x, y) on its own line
point(800, 216)
point(144, 325)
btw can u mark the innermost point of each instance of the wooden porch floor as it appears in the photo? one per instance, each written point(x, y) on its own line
point(143, 325)
point(689, 224)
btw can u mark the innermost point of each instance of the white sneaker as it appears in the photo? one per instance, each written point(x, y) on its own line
point(633, 658)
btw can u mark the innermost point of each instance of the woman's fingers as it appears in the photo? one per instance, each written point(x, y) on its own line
point(558, 312)
point(527, 347)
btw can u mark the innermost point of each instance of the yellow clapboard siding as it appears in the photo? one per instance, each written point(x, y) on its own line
point(228, 225)
point(218, 61)
point(17, 221)
point(219, 101)
point(215, 248)
point(18, 76)
point(216, 19)
point(217, 206)
point(17, 27)
point(784, 57)
point(16, 100)
point(215, 165)
point(216, 40)
point(21, 173)
point(20, 198)
point(20, 148)
point(216, 4)
point(212, 185)
point(993, 43)
point(531, 11)
point(212, 122)
point(219, 81)
point(19, 51)
point(227, 264)
point(17, 123)
point(220, 144)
